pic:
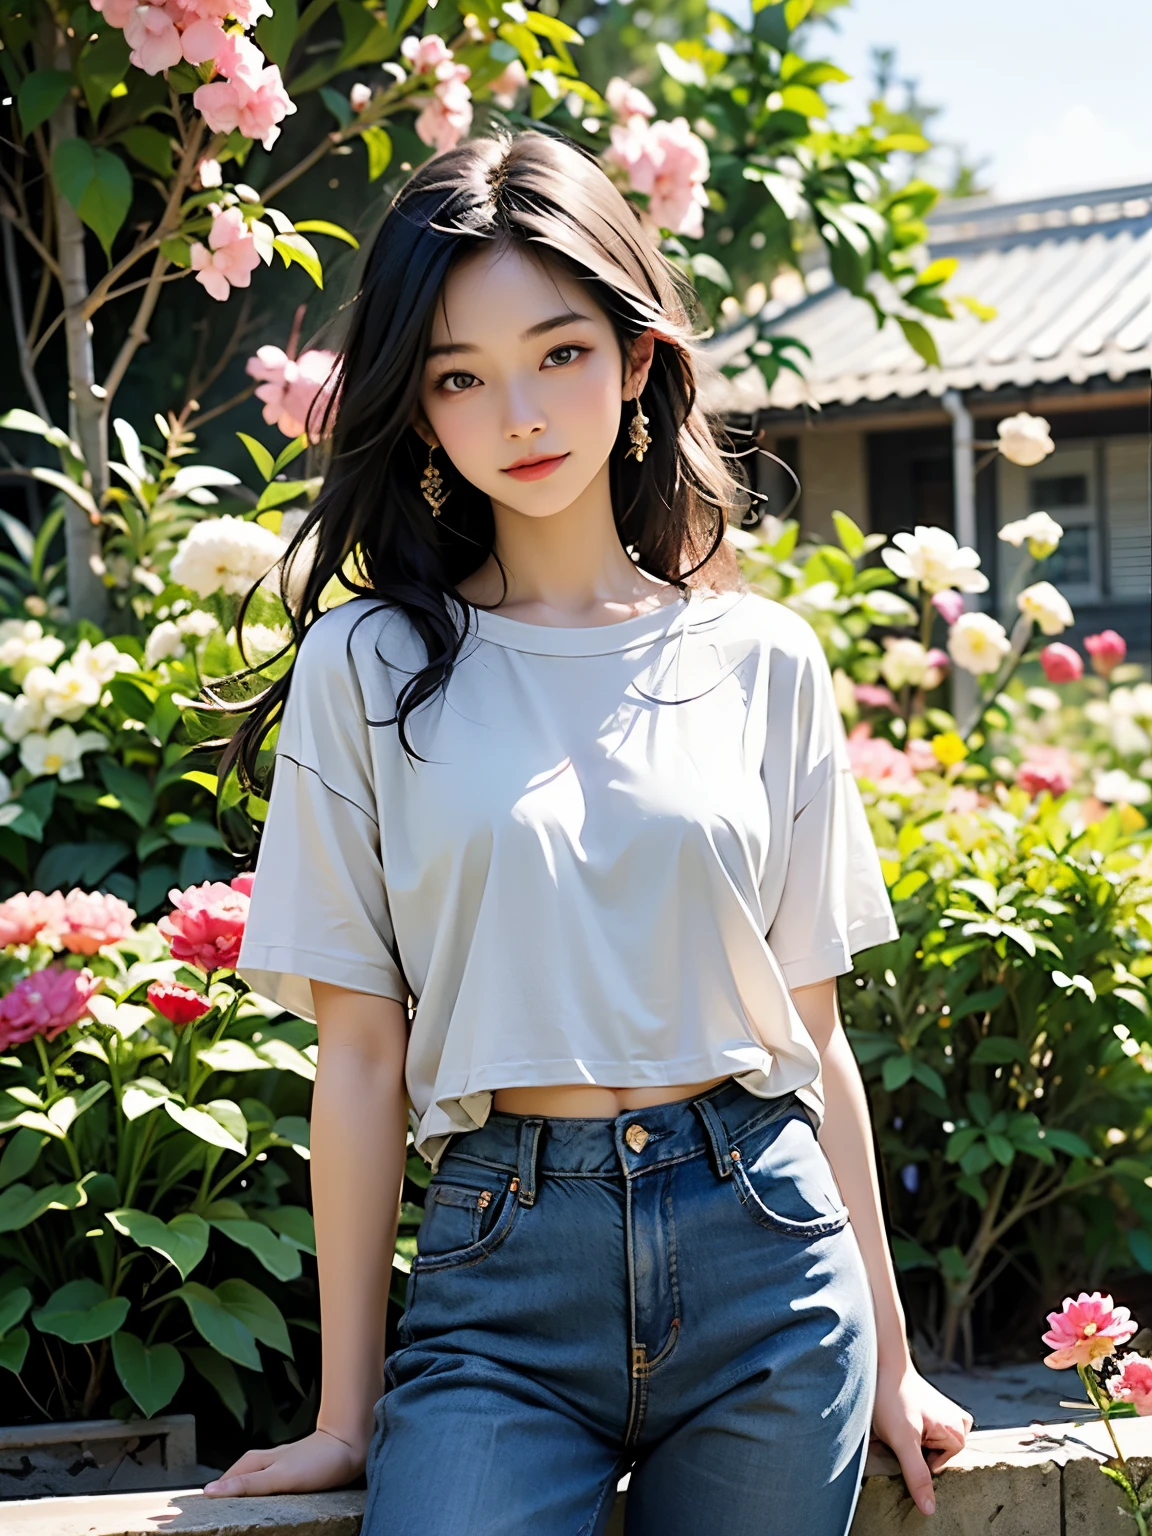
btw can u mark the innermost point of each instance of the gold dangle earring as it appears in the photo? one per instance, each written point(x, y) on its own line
point(641, 437)
point(432, 485)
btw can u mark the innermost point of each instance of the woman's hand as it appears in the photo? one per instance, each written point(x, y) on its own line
point(318, 1461)
point(909, 1415)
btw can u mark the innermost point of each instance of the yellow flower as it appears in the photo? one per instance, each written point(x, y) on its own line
point(949, 748)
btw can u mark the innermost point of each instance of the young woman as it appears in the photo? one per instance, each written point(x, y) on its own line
point(564, 855)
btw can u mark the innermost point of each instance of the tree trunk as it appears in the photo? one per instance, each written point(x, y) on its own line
point(87, 594)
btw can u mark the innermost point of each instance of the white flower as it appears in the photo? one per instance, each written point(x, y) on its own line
point(1024, 439)
point(24, 645)
point(978, 643)
point(149, 580)
point(301, 563)
point(164, 643)
point(225, 554)
point(211, 173)
point(264, 639)
point(101, 662)
point(1043, 534)
point(65, 694)
point(1118, 786)
point(931, 557)
point(198, 623)
point(820, 597)
point(1046, 700)
point(59, 752)
point(905, 663)
point(20, 715)
point(1047, 606)
point(1134, 702)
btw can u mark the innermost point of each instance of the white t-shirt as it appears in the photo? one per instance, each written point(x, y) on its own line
point(624, 844)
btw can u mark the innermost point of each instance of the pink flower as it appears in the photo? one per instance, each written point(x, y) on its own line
point(252, 98)
point(1107, 650)
point(115, 12)
point(447, 116)
point(91, 920)
point(627, 100)
point(179, 1005)
point(877, 760)
point(949, 605)
point(874, 696)
point(1061, 663)
point(28, 915)
point(936, 665)
point(962, 799)
point(153, 38)
point(1046, 768)
point(1086, 1330)
point(1134, 1383)
point(920, 754)
point(208, 924)
point(425, 53)
point(231, 255)
point(359, 97)
point(290, 388)
point(243, 883)
point(202, 41)
point(669, 163)
point(508, 82)
point(45, 1003)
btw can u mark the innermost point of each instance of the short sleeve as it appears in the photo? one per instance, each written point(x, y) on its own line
point(319, 906)
point(833, 902)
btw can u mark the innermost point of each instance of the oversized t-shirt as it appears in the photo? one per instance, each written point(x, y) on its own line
point(623, 846)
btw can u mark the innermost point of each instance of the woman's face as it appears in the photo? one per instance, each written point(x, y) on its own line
point(522, 363)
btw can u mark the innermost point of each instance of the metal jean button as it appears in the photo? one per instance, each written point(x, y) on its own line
point(636, 1136)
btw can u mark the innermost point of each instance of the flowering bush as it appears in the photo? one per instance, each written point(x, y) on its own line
point(152, 1209)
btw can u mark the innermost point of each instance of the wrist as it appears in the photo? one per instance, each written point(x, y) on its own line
point(355, 1437)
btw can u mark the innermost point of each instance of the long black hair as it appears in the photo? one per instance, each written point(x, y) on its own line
point(550, 198)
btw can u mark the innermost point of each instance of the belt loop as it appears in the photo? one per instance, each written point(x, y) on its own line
point(526, 1160)
point(717, 1136)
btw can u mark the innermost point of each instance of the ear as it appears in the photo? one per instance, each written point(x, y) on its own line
point(423, 430)
point(640, 363)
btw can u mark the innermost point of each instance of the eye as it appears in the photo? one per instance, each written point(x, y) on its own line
point(444, 377)
point(568, 347)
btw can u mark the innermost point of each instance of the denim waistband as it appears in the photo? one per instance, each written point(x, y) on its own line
point(533, 1147)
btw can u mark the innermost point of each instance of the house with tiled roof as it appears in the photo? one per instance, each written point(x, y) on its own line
point(873, 430)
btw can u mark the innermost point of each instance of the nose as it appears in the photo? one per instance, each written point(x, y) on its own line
point(523, 415)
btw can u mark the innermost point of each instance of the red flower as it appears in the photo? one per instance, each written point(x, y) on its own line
point(179, 1005)
point(45, 1003)
point(208, 924)
point(1107, 650)
point(1061, 663)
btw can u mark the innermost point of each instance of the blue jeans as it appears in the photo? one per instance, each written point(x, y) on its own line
point(676, 1292)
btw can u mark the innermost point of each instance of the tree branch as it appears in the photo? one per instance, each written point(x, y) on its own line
point(10, 216)
point(314, 157)
point(27, 371)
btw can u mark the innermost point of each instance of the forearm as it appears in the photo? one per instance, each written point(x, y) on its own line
point(359, 1131)
point(846, 1137)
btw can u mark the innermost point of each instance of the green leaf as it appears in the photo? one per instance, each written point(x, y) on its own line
point(258, 1313)
point(141, 1097)
point(64, 483)
point(131, 789)
point(20, 1205)
point(323, 227)
point(177, 250)
point(13, 1306)
point(39, 95)
point(927, 1075)
point(378, 143)
point(997, 1050)
point(1067, 1141)
point(293, 451)
point(713, 271)
point(221, 1374)
point(978, 1002)
point(82, 1312)
point(232, 1056)
point(911, 1255)
point(294, 1130)
point(183, 1240)
point(219, 1325)
point(152, 148)
point(98, 185)
point(220, 1123)
point(937, 272)
point(196, 834)
point(21, 1155)
point(1002, 1149)
point(280, 491)
point(919, 338)
point(260, 455)
point(276, 34)
point(293, 1223)
point(896, 1072)
point(150, 1376)
point(278, 1257)
point(336, 102)
point(294, 248)
point(1140, 1247)
point(102, 66)
point(851, 537)
point(14, 1350)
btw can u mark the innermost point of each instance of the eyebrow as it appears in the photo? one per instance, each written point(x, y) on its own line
point(540, 329)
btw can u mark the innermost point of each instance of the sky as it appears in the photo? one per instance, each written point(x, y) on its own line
point(1054, 94)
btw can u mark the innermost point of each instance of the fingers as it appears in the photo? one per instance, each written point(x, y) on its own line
point(235, 1481)
point(917, 1477)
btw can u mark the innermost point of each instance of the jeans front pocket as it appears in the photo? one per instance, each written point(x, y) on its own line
point(785, 1181)
point(466, 1216)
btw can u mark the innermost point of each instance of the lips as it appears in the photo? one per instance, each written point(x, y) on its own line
point(537, 469)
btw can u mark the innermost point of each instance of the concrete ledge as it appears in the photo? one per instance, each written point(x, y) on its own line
point(1026, 1482)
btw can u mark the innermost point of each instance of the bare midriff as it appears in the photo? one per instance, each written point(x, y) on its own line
point(588, 1101)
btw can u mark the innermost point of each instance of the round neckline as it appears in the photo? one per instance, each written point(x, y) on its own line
point(587, 639)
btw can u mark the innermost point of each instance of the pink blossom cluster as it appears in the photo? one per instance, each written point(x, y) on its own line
point(162, 33)
point(207, 926)
point(82, 922)
point(876, 759)
point(1086, 1329)
point(232, 253)
point(1046, 768)
point(664, 160)
point(251, 97)
point(291, 387)
point(447, 115)
point(45, 1003)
